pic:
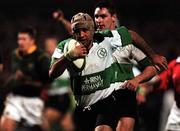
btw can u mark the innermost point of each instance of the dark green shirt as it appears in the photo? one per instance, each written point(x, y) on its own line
point(35, 67)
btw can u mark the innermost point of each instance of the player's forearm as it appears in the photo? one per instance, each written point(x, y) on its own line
point(147, 74)
point(58, 67)
point(139, 42)
point(67, 25)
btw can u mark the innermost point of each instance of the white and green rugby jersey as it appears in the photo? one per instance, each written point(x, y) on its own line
point(108, 65)
point(60, 85)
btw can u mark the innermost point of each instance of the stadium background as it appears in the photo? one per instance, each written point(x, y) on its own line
point(156, 20)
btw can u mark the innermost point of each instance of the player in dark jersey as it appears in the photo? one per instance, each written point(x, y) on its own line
point(29, 76)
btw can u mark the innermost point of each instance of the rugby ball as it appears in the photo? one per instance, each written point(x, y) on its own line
point(79, 63)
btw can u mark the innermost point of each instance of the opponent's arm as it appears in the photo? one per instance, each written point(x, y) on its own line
point(148, 73)
point(59, 16)
point(142, 44)
point(144, 63)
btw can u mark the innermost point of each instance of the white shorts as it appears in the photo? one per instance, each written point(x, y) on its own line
point(24, 108)
point(173, 122)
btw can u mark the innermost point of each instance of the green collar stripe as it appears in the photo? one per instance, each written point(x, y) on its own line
point(105, 33)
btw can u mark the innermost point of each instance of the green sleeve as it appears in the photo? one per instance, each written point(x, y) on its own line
point(60, 46)
point(125, 35)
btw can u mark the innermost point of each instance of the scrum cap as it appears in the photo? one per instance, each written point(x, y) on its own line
point(82, 20)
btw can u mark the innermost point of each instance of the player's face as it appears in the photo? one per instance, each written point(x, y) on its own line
point(24, 42)
point(84, 36)
point(50, 45)
point(103, 19)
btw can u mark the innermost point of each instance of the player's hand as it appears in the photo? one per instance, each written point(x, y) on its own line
point(77, 51)
point(141, 95)
point(58, 15)
point(160, 62)
point(142, 91)
point(130, 84)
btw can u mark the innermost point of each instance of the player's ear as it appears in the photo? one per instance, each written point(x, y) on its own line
point(114, 17)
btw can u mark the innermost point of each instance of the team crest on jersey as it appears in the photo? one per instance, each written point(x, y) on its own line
point(102, 53)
